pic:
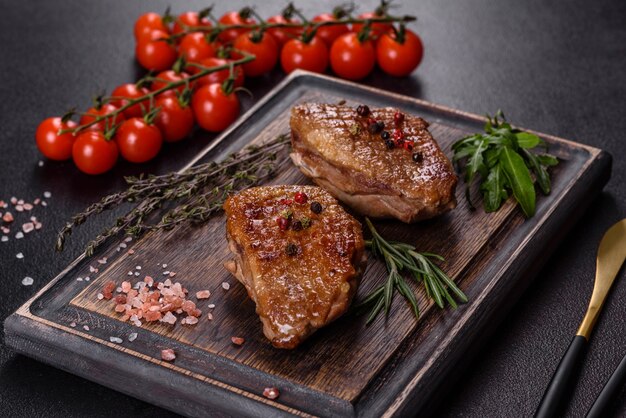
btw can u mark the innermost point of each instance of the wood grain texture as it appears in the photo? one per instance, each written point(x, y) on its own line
point(347, 368)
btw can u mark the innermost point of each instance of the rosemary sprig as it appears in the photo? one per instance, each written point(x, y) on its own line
point(401, 257)
point(195, 194)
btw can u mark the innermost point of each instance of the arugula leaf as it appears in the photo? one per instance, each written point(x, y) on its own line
point(504, 160)
point(519, 180)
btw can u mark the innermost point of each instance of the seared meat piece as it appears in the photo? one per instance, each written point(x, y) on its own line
point(299, 254)
point(397, 171)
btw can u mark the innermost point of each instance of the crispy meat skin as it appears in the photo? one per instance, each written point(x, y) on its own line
point(332, 146)
point(294, 294)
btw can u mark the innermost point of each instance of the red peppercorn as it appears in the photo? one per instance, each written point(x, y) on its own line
point(408, 145)
point(397, 134)
point(287, 202)
point(398, 118)
point(301, 198)
point(283, 223)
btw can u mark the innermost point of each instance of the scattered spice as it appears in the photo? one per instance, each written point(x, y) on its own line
point(271, 393)
point(355, 129)
point(418, 157)
point(132, 337)
point(27, 281)
point(301, 198)
point(238, 340)
point(168, 354)
point(116, 340)
point(316, 207)
point(225, 286)
point(385, 134)
point(363, 111)
point(398, 118)
point(19, 256)
point(292, 249)
point(297, 226)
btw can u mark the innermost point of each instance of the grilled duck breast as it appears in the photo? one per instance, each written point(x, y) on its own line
point(299, 255)
point(381, 162)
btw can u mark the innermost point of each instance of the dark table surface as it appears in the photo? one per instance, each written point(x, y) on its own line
point(556, 67)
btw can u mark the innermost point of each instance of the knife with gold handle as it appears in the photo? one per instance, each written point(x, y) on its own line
point(611, 255)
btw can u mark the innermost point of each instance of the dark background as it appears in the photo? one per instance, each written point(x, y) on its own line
point(556, 67)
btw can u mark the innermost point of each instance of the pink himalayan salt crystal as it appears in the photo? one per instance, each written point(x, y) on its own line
point(169, 318)
point(271, 393)
point(168, 354)
point(28, 206)
point(238, 340)
point(28, 227)
point(203, 294)
point(126, 286)
point(7, 217)
point(225, 286)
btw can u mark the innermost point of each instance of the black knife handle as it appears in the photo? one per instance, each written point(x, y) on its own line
point(601, 406)
point(563, 380)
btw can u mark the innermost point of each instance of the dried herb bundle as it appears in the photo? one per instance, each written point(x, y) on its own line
point(196, 194)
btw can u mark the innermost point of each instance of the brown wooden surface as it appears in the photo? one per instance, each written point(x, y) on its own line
point(347, 364)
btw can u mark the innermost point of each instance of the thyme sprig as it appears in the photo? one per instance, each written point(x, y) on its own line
point(195, 194)
point(400, 257)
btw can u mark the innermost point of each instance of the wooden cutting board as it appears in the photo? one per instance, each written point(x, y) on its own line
point(392, 367)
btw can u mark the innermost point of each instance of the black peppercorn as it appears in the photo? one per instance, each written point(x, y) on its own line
point(291, 249)
point(362, 110)
point(389, 143)
point(381, 125)
point(418, 157)
point(373, 128)
point(385, 135)
point(296, 226)
point(316, 207)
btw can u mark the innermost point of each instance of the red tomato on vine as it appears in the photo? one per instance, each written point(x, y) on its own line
point(195, 47)
point(242, 17)
point(263, 47)
point(213, 108)
point(92, 113)
point(138, 140)
point(351, 58)
point(189, 19)
point(376, 28)
point(53, 145)
point(283, 35)
point(93, 153)
point(221, 75)
point(129, 91)
point(148, 22)
point(331, 32)
point(154, 52)
point(400, 53)
point(166, 77)
point(311, 56)
point(174, 120)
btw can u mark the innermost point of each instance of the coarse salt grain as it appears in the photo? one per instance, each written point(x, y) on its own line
point(27, 281)
point(210, 316)
point(19, 235)
point(87, 279)
point(73, 324)
point(47, 195)
point(164, 266)
point(40, 163)
point(44, 203)
point(238, 340)
point(271, 393)
point(130, 273)
point(137, 273)
point(28, 206)
point(79, 279)
point(128, 239)
point(20, 202)
point(19, 255)
point(92, 269)
point(100, 296)
point(19, 208)
point(4, 238)
point(203, 294)
point(14, 200)
point(132, 336)
point(103, 260)
point(168, 318)
point(36, 201)
point(211, 305)
point(5, 230)
point(86, 327)
point(28, 227)
point(168, 354)
point(137, 267)
point(225, 286)
point(7, 217)
point(116, 340)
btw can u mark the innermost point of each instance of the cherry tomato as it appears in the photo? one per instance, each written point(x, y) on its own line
point(148, 22)
point(399, 59)
point(377, 28)
point(138, 141)
point(221, 75)
point(173, 120)
point(130, 91)
point(154, 54)
point(93, 153)
point(195, 47)
point(50, 143)
point(350, 58)
point(166, 77)
point(265, 50)
point(331, 32)
point(241, 17)
point(104, 124)
point(189, 19)
point(214, 110)
point(312, 56)
point(283, 35)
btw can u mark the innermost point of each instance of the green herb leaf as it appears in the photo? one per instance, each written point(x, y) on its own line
point(519, 180)
point(526, 140)
point(493, 189)
point(541, 174)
